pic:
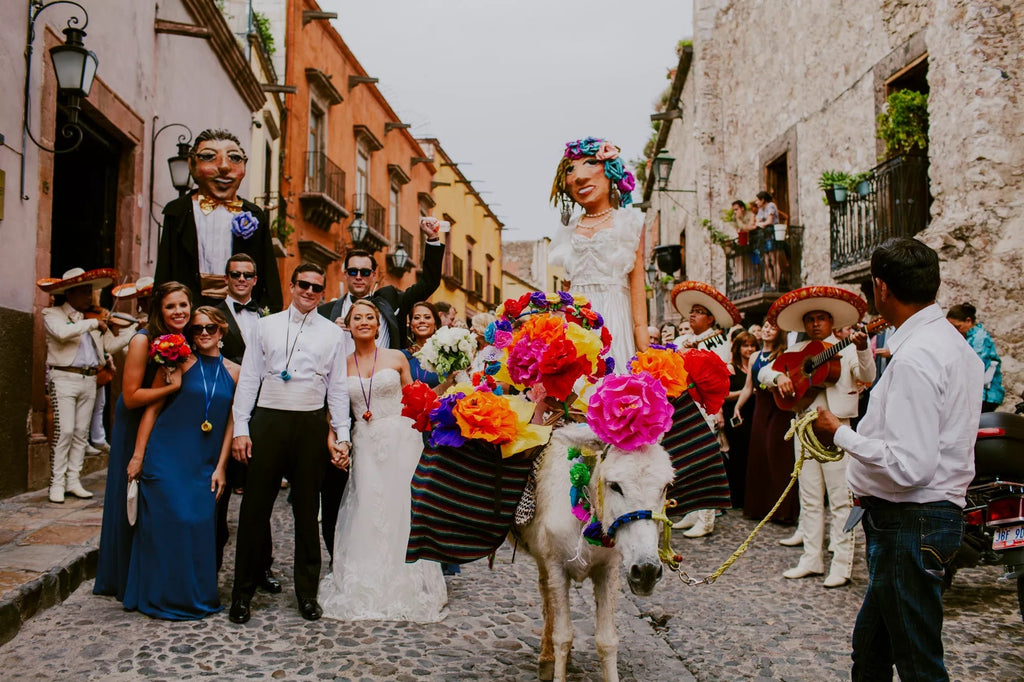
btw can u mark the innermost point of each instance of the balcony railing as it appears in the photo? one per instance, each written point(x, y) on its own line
point(458, 270)
point(406, 238)
point(763, 266)
point(478, 284)
point(323, 195)
point(373, 212)
point(896, 205)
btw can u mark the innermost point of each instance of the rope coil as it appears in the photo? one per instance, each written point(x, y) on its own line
point(802, 428)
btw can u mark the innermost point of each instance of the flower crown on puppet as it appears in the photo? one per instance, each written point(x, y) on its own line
point(602, 150)
point(477, 412)
point(551, 340)
point(699, 371)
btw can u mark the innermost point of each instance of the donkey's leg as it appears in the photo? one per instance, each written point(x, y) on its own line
point(546, 665)
point(561, 632)
point(605, 577)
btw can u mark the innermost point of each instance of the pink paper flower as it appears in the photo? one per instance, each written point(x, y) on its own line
point(524, 361)
point(607, 151)
point(629, 411)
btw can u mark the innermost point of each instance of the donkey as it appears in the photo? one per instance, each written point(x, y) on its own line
point(629, 482)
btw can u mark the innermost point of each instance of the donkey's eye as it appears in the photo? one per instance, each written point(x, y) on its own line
point(615, 488)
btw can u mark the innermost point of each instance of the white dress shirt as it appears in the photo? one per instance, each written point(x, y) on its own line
point(719, 345)
point(316, 367)
point(246, 319)
point(383, 339)
point(214, 234)
point(916, 442)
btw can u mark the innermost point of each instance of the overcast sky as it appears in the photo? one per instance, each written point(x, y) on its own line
point(503, 84)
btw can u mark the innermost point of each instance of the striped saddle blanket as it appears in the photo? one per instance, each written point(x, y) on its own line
point(464, 499)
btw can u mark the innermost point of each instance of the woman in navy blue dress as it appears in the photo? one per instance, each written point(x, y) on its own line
point(169, 313)
point(423, 321)
point(180, 458)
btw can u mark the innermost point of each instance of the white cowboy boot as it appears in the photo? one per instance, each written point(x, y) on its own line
point(75, 488)
point(704, 526)
point(56, 493)
point(687, 521)
point(794, 540)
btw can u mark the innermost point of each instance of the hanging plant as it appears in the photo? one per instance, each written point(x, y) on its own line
point(903, 123)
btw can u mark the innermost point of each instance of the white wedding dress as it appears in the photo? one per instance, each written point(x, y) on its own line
point(598, 267)
point(370, 579)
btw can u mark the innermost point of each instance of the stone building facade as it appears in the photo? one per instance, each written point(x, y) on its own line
point(777, 93)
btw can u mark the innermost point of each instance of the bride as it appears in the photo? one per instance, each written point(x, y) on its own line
point(370, 579)
point(602, 250)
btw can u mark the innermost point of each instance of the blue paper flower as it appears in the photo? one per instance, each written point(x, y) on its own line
point(244, 224)
point(445, 429)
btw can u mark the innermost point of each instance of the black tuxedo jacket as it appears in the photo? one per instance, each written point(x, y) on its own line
point(234, 344)
point(178, 257)
point(389, 299)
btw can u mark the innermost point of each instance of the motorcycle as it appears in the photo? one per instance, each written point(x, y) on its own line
point(994, 515)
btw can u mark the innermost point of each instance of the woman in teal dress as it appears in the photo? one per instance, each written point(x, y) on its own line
point(965, 318)
point(169, 313)
point(180, 458)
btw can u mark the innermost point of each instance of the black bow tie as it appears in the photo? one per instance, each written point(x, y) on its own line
point(250, 306)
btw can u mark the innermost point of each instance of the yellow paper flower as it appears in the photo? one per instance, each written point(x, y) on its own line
point(553, 298)
point(486, 416)
point(587, 343)
point(527, 435)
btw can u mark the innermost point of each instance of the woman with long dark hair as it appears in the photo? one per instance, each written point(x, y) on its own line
point(170, 309)
point(965, 318)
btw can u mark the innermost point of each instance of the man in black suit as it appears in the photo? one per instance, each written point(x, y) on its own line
point(242, 313)
point(203, 229)
point(360, 275)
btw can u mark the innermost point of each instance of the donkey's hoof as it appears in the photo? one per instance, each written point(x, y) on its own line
point(546, 671)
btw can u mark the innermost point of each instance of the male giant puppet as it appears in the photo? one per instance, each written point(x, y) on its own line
point(203, 229)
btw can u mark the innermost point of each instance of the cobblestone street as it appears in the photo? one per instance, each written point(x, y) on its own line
point(751, 624)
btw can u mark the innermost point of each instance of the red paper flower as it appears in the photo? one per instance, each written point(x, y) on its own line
point(710, 378)
point(418, 400)
point(560, 367)
point(512, 308)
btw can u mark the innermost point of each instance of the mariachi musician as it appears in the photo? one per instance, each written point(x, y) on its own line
point(817, 311)
point(711, 315)
point(77, 345)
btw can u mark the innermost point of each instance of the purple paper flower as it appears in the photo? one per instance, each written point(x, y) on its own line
point(566, 297)
point(503, 325)
point(446, 430)
point(244, 224)
point(629, 411)
point(539, 299)
point(627, 183)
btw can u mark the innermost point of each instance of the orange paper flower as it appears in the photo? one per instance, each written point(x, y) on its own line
point(666, 366)
point(486, 416)
point(546, 327)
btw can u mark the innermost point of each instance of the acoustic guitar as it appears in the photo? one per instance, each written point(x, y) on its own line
point(812, 368)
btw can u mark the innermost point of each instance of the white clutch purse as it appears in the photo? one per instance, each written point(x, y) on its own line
point(133, 501)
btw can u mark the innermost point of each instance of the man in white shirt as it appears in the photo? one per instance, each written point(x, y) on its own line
point(912, 458)
point(293, 363)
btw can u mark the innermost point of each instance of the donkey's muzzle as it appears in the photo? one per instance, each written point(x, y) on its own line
point(643, 577)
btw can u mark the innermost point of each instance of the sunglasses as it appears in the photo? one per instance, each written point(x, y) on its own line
point(233, 158)
point(306, 286)
point(235, 274)
point(198, 329)
point(359, 272)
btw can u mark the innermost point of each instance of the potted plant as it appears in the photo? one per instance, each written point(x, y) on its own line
point(903, 123)
point(834, 184)
point(861, 183)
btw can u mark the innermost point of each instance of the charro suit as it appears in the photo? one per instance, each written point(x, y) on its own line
point(394, 306)
point(178, 257)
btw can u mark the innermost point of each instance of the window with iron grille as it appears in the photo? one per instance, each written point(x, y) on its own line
point(457, 270)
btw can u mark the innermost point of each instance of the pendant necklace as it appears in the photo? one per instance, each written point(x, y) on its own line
point(206, 426)
point(285, 374)
point(367, 395)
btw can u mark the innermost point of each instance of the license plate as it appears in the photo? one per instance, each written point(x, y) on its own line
point(1008, 537)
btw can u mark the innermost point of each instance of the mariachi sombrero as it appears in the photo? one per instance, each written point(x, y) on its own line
point(76, 277)
point(685, 295)
point(787, 313)
point(142, 287)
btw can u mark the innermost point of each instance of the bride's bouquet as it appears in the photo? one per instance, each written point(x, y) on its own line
point(169, 350)
point(448, 350)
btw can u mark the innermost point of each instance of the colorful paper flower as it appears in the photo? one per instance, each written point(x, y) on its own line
point(244, 224)
point(709, 378)
point(524, 361)
point(547, 328)
point(418, 401)
point(560, 367)
point(665, 365)
point(445, 431)
point(485, 416)
point(607, 151)
point(629, 411)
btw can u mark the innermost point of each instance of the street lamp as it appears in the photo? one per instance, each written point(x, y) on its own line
point(652, 274)
point(662, 168)
point(399, 257)
point(177, 165)
point(358, 228)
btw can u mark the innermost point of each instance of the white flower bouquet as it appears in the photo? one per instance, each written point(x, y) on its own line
point(449, 350)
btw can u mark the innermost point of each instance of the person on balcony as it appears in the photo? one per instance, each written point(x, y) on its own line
point(204, 228)
point(765, 220)
point(602, 250)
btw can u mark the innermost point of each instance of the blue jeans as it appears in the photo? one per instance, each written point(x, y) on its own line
point(909, 547)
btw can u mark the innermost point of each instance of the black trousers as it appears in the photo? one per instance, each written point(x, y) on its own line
point(330, 501)
point(292, 444)
point(236, 472)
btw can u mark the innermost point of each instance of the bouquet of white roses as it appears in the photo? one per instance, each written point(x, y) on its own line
point(448, 350)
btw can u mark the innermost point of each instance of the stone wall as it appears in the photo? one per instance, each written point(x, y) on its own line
point(809, 78)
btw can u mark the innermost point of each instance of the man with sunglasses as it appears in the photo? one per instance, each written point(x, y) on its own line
point(242, 313)
point(204, 228)
point(360, 275)
point(293, 375)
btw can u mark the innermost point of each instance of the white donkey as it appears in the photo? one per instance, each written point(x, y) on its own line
point(625, 482)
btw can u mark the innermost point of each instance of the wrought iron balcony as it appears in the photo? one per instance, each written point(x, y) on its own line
point(406, 238)
point(375, 217)
point(763, 266)
point(896, 205)
point(323, 196)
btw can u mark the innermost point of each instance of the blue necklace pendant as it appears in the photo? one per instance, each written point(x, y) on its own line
point(285, 376)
